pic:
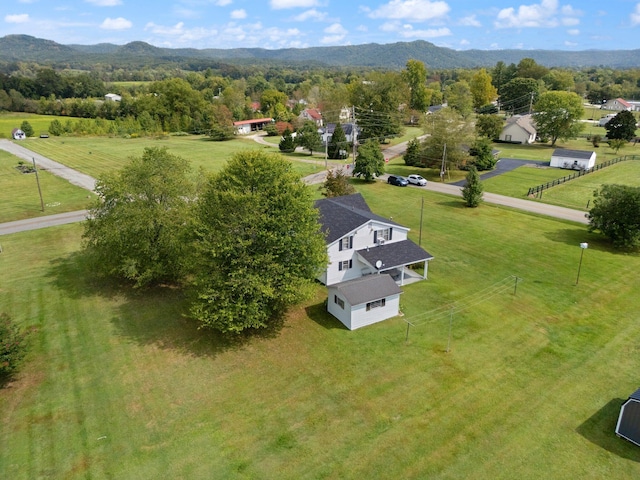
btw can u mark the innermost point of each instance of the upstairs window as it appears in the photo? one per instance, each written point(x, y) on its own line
point(346, 243)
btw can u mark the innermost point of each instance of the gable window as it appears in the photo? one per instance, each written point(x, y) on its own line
point(346, 243)
point(338, 301)
point(345, 265)
point(384, 234)
point(376, 304)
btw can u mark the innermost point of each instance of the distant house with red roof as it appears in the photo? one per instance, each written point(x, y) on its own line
point(311, 114)
point(617, 104)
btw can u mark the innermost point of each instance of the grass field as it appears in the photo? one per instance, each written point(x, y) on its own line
point(40, 123)
point(20, 199)
point(97, 155)
point(120, 384)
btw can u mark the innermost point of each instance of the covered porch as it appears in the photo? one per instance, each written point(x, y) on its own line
point(395, 259)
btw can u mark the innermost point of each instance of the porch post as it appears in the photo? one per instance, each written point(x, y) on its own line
point(424, 270)
point(402, 275)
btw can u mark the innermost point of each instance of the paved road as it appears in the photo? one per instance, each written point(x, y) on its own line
point(44, 163)
point(87, 182)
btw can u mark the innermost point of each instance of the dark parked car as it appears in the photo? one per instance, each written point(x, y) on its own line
point(397, 180)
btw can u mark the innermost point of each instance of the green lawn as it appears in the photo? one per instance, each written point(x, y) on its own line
point(97, 155)
point(120, 384)
point(20, 199)
point(40, 123)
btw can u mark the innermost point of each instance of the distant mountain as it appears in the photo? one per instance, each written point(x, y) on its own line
point(391, 56)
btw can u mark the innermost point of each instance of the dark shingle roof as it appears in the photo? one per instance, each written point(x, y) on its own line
point(341, 215)
point(395, 254)
point(565, 152)
point(367, 289)
point(635, 395)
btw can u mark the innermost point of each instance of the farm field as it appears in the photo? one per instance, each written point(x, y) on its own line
point(97, 155)
point(119, 384)
point(20, 199)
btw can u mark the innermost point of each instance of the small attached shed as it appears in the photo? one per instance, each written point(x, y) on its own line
point(364, 301)
point(573, 159)
point(18, 134)
point(628, 426)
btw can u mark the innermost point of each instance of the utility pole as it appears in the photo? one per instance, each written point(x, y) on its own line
point(38, 182)
point(354, 136)
point(444, 156)
point(421, 212)
point(531, 103)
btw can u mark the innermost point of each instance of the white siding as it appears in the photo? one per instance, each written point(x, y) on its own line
point(357, 316)
point(570, 162)
point(362, 238)
point(515, 133)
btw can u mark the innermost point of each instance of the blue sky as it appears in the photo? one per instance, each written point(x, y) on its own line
point(461, 25)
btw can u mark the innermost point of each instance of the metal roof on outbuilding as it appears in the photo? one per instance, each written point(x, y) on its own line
point(565, 152)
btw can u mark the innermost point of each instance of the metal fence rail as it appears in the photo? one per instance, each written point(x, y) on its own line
point(537, 191)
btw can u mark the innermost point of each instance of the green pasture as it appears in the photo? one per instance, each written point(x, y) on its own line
point(40, 123)
point(20, 197)
point(120, 384)
point(97, 155)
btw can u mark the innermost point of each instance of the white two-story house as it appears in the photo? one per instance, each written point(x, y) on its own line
point(369, 257)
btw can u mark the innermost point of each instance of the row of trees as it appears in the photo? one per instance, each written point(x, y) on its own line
point(245, 243)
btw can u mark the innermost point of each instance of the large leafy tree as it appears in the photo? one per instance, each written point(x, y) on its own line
point(369, 161)
point(136, 229)
point(557, 115)
point(308, 137)
point(337, 184)
point(489, 126)
point(482, 90)
point(518, 95)
point(448, 133)
point(616, 214)
point(416, 77)
point(259, 244)
point(459, 98)
point(622, 126)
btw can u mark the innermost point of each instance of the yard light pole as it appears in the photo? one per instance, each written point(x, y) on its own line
point(583, 247)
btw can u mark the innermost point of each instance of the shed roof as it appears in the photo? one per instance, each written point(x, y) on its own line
point(367, 289)
point(635, 395)
point(255, 120)
point(565, 152)
point(341, 215)
point(395, 254)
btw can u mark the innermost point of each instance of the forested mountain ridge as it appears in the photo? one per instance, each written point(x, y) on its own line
point(387, 56)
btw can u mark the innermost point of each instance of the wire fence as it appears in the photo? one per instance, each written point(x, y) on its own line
point(537, 191)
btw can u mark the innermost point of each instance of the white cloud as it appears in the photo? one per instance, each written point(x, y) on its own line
point(573, 31)
point(116, 24)
point(470, 21)
point(20, 18)
point(223, 3)
point(239, 14)
point(312, 14)
point(408, 32)
point(281, 4)
point(415, 10)
point(543, 14)
point(635, 16)
point(335, 33)
point(105, 3)
point(464, 42)
point(570, 44)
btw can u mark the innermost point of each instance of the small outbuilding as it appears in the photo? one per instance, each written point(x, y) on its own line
point(365, 300)
point(573, 159)
point(18, 134)
point(628, 426)
point(244, 127)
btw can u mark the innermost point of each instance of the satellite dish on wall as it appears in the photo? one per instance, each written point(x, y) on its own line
point(379, 264)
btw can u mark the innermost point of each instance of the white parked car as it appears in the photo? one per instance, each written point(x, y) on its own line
point(417, 180)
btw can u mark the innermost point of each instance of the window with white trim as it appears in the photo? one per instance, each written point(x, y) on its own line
point(346, 243)
point(384, 234)
point(345, 265)
point(378, 303)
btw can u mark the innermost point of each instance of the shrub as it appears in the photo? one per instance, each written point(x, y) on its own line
point(12, 346)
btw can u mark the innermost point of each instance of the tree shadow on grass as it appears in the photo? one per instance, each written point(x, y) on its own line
point(151, 316)
point(575, 236)
point(600, 427)
point(318, 313)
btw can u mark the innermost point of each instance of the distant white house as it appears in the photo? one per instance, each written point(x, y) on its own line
point(573, 159)
point(519, 129)
point(348, 128)
point(244, 127)
point(369, 258)
point(112, 97)
point(18, 134)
